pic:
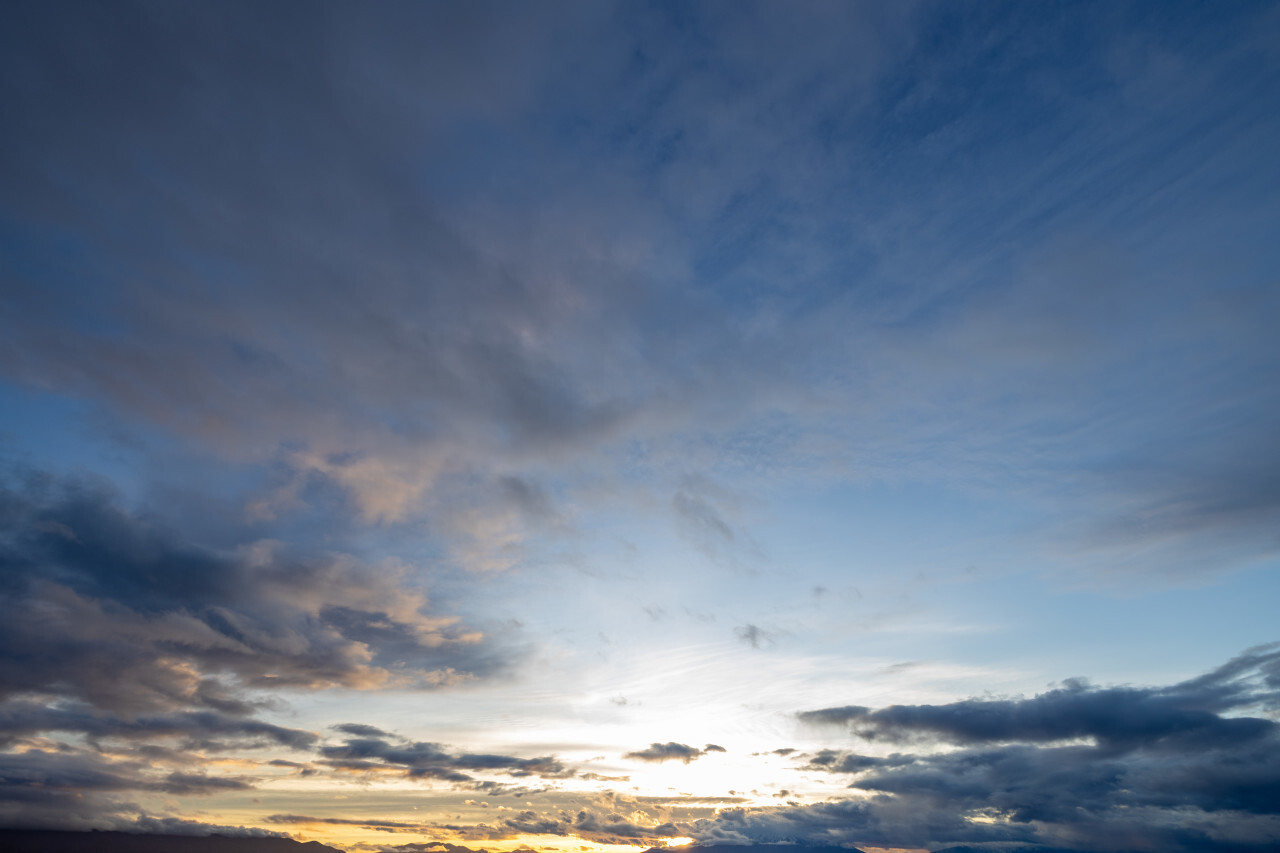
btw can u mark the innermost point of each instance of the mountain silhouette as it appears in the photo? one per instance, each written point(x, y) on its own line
point(59, 841)
point(753, 848)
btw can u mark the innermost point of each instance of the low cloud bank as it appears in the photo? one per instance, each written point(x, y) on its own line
point(1189, 767)
point(132, 656)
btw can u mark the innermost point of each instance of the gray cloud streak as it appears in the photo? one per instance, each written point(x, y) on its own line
point(420, 760)
point(672, 751)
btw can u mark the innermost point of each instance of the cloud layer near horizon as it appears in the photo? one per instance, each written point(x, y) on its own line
point(158, 652)
point(1193, 764)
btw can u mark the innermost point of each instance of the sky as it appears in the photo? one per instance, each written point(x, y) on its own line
point(595, 426)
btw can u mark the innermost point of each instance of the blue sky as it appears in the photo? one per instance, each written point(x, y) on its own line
point(444, 423)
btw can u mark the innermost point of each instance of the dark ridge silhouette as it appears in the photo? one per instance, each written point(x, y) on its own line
point(753, 848)
point(59, 841)
point(1023, 849)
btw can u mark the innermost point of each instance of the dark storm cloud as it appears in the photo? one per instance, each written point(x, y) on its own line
point(420, 760)
point(672, 751)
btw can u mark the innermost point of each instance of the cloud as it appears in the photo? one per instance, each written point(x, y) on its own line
point(671, 751)
point(126, 616)
point(462, 340)
point(426, 275)
point(68, 787)
point(389, 825)
point(833, 761)
point(361, 730)
point(432, 847)
point(485, 375)
point(185, 784)
point(120, 635)
point(196, 729)
point(182, 826)
point(702, 523)
point(423, 323)
point(755, 636)
point(587, 824)
point(1119, 719)
point(1187, 767)
point(420, 760)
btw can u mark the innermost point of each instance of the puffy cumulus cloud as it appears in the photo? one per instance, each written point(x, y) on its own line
point(421, 760)
point(672, 751)
point(1193, 766)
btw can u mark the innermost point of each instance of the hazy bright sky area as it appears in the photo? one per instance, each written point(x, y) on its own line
point(616, 423)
